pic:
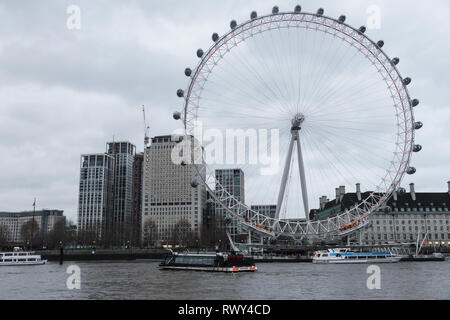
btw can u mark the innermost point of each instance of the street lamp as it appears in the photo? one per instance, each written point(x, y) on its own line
point(61, 253)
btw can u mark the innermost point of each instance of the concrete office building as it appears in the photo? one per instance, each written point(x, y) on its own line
point(168, 196)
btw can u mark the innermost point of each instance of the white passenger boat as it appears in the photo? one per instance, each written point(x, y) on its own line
point(345, 255)
point(20, 258)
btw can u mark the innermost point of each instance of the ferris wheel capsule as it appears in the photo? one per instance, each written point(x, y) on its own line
point(406, 81)
point(180, 93)
point(187, 72)
point(362, 29)
point(298, 8)
point(380, 43)
point(194, 183)
point(415, 102)
point(341, 19)
point(411, 170)
point(401, 190)
point(253, 15)
point(387, 209)
point(417, 148)
point(199, 53)
point(320, 12)
point(177, 115)
point(233, 24)
point(418, 125)
point(395, 61)
point(215, 37)
point(275, 10)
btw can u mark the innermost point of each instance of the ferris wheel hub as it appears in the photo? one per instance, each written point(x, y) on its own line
point(297, 121)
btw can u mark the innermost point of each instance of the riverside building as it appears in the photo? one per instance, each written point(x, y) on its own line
point(232, 180)
point(168, 196)
point(95, 192)
point(409, 214)
point(123, 154)
point(45, 219)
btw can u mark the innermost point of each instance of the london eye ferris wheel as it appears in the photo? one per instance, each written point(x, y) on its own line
point(330, 103)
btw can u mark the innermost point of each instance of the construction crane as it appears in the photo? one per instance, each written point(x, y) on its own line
point(146, 129)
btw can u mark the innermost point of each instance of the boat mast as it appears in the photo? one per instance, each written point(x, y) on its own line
point(420, 248)
point(32, 224)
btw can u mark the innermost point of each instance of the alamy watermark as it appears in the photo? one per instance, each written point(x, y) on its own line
point(374, 18)
point(74, 279)
point(232, 147)
point(73, 22)
point(374, 280)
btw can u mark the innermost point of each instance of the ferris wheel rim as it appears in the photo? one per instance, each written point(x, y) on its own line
point(364, 208)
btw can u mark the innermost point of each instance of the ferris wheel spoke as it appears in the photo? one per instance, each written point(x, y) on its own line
point(337, 159)
point(352, 92)
point(333, 63)
point(325, 134)
point(261, 92)
point(331, 158)
point(342, 91)
point(258, 76)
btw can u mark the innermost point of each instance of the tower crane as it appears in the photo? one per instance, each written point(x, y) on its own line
point(146, 129)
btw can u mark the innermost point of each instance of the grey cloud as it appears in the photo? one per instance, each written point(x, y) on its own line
point(64, 93)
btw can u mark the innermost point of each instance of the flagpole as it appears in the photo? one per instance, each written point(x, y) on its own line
point(32, 224)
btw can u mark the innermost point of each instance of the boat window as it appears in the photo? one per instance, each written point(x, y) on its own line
point(324, 254)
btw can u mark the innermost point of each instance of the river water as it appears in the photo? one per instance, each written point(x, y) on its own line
point(143, 280)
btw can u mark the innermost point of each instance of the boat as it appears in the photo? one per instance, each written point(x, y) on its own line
point(345, 255)
point(214, 262)
point(435, 256)
point(20, 258)
point(418, 257)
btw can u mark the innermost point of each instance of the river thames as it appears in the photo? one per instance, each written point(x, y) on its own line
point(143, 280)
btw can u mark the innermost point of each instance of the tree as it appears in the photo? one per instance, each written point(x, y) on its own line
point(150, 233)
point(214, 231)
point(30, 232)
point(4, 235)
point(182, 234)
point(71, 232)
point(58, 234)
point(88, 237)
point(132, 230)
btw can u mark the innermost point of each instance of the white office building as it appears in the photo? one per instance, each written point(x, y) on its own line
point(45, 219)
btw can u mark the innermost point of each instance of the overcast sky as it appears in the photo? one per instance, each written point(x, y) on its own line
point(66, 92)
